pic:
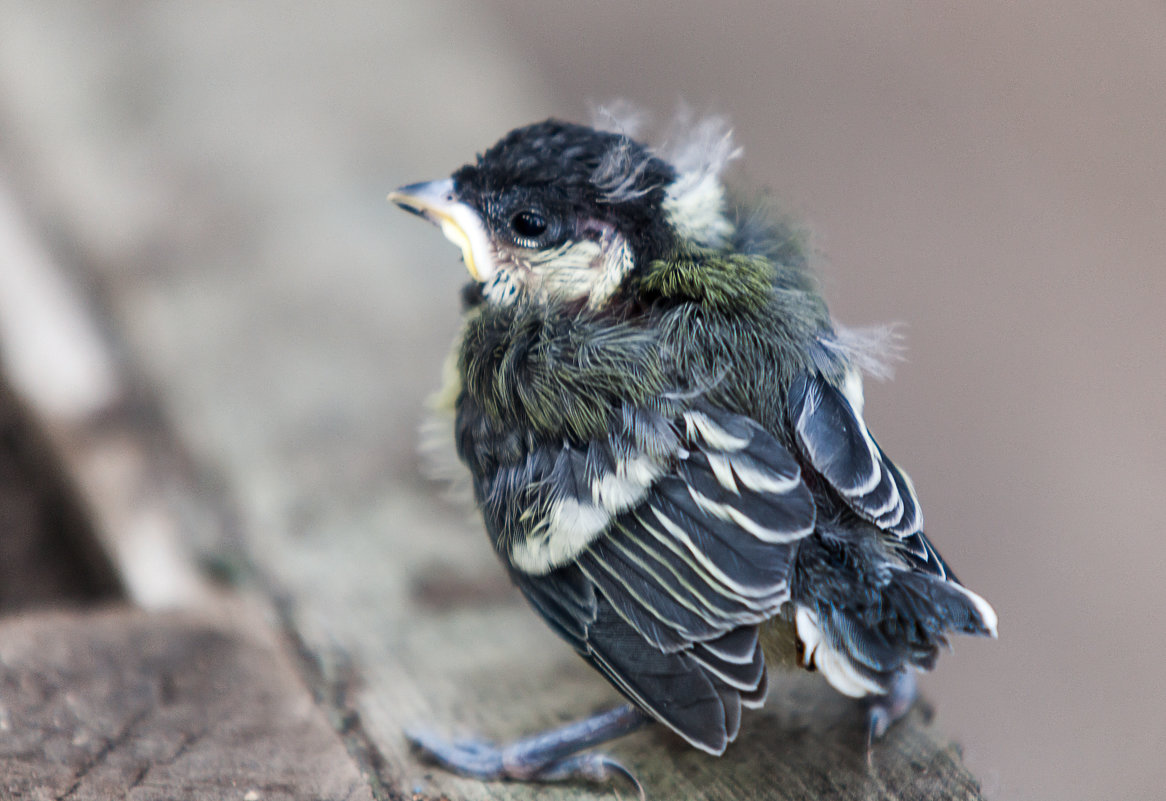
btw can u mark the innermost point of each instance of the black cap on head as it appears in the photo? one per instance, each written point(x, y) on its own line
point(588, 173)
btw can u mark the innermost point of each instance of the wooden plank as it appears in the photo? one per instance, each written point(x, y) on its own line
point(94, 505)
point(127, 704)
point(288, 335)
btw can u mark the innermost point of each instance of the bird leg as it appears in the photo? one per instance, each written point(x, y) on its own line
point(549, 756)
point(883, 711)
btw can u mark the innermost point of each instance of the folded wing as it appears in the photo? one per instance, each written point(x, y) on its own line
point(701, 512)
point(836, 441)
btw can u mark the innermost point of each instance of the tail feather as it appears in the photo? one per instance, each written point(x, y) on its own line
point(863, 615)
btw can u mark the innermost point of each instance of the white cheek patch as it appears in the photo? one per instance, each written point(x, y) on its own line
point(502, 289)
point(566, 272)
point(583, 268)
point(617, 263)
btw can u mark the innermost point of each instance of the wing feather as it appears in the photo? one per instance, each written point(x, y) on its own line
point(832, 435)
point(665, 599)
point(744, 676)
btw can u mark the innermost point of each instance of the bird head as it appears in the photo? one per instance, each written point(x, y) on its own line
point(562, 212)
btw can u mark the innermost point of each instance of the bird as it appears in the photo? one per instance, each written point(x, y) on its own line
point(663, 429)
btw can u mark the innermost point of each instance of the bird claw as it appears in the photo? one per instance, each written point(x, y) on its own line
point(878, 720)
point(884, 711)
point(484, 760)
point(595, 767)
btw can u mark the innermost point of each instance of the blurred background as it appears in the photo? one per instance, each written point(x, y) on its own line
point(992, 176)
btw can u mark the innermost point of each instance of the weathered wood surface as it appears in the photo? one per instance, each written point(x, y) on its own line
point(226, 215)
point(127, 704)
point(124, 703)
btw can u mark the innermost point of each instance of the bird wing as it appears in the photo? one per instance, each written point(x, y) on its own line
point(833, 437)
point(682, 689)
point(666, 597)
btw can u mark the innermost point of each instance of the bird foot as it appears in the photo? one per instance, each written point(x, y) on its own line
point(883, 711)
point(469, 757)
point(480, 759)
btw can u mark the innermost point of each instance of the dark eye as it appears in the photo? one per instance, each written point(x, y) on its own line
point(528, 224)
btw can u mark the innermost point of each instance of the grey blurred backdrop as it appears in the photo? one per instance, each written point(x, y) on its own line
point(991, 175)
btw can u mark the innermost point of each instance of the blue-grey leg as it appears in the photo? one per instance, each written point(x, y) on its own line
point(549, 756)
point(882, 711)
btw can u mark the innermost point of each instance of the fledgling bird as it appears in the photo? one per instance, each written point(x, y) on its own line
point(664, 430)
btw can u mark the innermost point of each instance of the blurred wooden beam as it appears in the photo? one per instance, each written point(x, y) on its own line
point(63, 372)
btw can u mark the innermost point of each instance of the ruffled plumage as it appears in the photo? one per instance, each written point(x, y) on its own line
point(669, 449)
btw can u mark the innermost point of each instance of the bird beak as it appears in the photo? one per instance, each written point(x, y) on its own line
point(461, 223)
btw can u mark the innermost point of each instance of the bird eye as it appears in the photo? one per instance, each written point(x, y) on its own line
point(528, 224)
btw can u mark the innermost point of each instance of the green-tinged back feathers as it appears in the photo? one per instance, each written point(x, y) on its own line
point(559, 372)
point(725, 282)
